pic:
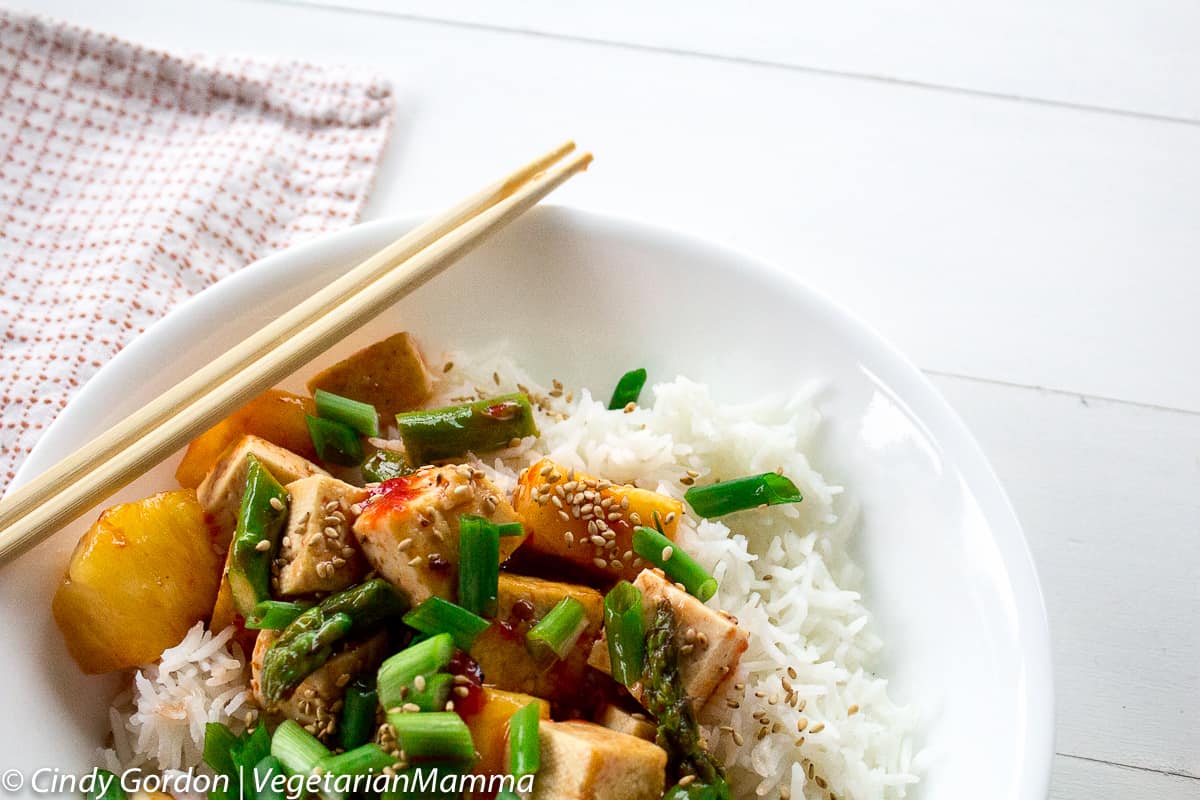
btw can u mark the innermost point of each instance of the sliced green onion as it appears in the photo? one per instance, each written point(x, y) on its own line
point(440, 433)
point(357, 724)
point(670, 558)
point(335, 442)
point(558, 631)
point(437, 735)
point(478, 564)
point(106, 787)
point(385, 465)
point(696, 790)
point(297, 749)
point(397, 675)
point(436, 615)
point(431, 692)
point(275, 615)
point(512, 529)
point(366, 759)
point(739, 494)
point(624, 628)
point(524, 749)
point(362, 417)
point(219, 746)
point(252, 748)
point(264, 779)
point(629, 389)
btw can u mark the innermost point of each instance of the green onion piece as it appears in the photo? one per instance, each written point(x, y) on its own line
point(265, 772)
point(219, 746)
point(436, 735)
point(335, 442)
point(478, 565)
point(367, 759)
point(275, 615)
point(261, 518)
point(384, 465)
point(696, 790)
point(397, 675)
point(431, 692)
point(357, 724)
point(558, 631)
point(524, 748)
point(252, 748)
point(441, 433)
point(511, 529)
point(362, 417)
point(297, 749)
point(629, 389)
point(740, 494)
point(624, 628)
point(106, 787)
point(436, 615)
point(670, 558)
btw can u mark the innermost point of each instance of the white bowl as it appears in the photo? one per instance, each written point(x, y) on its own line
point(583, 298)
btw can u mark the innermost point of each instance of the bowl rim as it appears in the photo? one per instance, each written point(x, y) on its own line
point(935, 413)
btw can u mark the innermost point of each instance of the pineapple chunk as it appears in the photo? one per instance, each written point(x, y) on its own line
point(558, 532)
point(500, 650)
point(489, 726)
point(274, 415)
point(140, 577)
point(390, 375)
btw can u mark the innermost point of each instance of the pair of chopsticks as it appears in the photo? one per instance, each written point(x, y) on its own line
point(162, 426)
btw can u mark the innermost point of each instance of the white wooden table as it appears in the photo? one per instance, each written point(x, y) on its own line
point(1008, 191)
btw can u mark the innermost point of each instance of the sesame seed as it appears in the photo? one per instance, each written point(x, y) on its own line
point(356, 509)
point(410, 708)
point(733, 703)
point(449, 366)
point(737, 739)
point(852, 710)
point(801, 724)
point(687, 480)
point(404, 544)
point(686, 780)
point(600, 563)
point(800, 742)
point(669, 518)
point(820, 726)
point(276, 503)
point(416, 561)
point(263, 546)
point(569, 538)
point(496, 378)
point(419, 683)
point(564, 516)
point(629, 407)
point(692, 473)
point(449, 705)
point(462, 691)
point(667, 552)
point(461, 679)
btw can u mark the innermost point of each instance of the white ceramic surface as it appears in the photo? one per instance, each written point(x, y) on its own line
point(581, 298)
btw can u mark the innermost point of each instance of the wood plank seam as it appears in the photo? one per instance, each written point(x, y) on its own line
point(1083, 397)
point(744, 61)
point(1167, 772)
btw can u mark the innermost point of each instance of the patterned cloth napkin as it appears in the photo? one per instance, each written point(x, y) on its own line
point(132, 178)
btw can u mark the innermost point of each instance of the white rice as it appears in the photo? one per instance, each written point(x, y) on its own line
point(158, 724)
point(808, 615)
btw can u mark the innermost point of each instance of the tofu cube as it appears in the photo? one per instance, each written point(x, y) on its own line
point(390, 375)
point(618, 719)
point(318, 547)
point(585, 761)
point(220, 493)
point(717, 645)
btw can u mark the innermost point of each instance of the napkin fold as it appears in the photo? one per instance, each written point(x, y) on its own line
point(131, 178)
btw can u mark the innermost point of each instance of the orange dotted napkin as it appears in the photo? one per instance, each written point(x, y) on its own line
point(132, 178)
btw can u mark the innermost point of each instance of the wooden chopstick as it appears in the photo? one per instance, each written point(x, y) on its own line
point(146, 437)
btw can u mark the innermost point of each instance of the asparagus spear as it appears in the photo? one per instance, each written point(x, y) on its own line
point(385, 465)
point(260, 519)
point(441, 433)
point(678, 731)
point(308, 642)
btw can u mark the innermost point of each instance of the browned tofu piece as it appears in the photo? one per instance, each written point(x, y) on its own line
point(390, 375)
point(588, 521)
point(409, 530)
point(315, 703)
point(584, 761)
point(220, 493)
point(620, 720)
point(717, 643)
point(501, 652)
point(318, 547)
